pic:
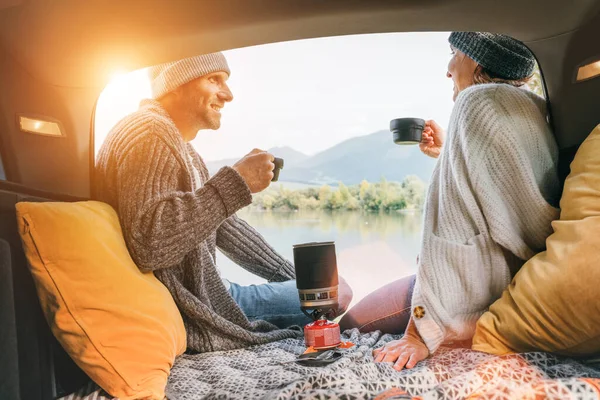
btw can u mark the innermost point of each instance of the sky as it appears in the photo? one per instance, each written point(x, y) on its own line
point(311, 94)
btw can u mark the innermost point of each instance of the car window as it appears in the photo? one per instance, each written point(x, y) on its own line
point(120, 97)
point(324, 106)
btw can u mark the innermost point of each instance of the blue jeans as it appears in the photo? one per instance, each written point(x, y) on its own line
point(387, 309)
point(276, 302)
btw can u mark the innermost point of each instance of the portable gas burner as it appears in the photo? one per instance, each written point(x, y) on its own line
point(317, 283)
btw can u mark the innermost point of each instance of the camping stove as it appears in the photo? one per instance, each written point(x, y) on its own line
point(317, 283)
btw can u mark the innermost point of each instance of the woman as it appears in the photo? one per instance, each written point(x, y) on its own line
point(489, 205)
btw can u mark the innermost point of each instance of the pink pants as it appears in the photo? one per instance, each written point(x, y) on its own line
point(387, 309)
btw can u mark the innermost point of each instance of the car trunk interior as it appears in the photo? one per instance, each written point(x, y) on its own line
point(57, 56)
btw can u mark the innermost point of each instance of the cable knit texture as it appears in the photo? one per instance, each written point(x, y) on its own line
point(144, 171)
point(488, 210)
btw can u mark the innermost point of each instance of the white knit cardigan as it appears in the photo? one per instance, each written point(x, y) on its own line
point(488, 210)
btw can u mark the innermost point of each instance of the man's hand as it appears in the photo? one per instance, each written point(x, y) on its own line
point(257, 169)
point(433, 139)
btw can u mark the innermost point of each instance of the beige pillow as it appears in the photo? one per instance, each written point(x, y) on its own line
point(553, 302)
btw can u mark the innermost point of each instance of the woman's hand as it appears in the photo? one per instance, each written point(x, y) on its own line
point(433, 139)
point(406, 352)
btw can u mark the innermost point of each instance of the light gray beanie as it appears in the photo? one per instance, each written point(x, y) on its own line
point(504, 56)
point(169, 76)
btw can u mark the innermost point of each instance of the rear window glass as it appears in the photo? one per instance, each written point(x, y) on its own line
point(324, 106)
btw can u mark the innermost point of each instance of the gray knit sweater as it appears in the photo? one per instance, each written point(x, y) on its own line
point(489, 208)
point(143, 170)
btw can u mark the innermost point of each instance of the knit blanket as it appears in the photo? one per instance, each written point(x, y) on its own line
point(257, 373)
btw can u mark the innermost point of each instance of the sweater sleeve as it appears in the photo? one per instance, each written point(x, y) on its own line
point(502, 218)
point(247, 248)
point(161, 223)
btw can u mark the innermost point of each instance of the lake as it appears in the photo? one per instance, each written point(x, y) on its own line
point(372, 248)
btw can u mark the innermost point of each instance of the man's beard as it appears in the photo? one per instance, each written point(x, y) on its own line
point(202, 113)
point(205, 119)
point(211, 121)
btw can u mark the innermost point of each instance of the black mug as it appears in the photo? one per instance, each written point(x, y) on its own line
point(278, 166)
point(316, 277)
point(407, 130)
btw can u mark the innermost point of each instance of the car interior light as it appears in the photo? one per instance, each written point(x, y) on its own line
point(40, 126)
point(588, 71)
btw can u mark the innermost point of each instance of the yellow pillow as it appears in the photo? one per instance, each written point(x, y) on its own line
point(553, 302)
point(121, 326)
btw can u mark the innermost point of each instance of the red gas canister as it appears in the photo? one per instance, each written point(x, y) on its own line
point(322, 334)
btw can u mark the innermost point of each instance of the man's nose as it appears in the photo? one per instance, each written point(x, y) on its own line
point(225, 94)
point(448, 74)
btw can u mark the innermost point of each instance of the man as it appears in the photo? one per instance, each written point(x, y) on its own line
point(174, 216)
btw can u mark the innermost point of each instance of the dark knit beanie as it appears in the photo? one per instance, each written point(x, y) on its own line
point(500, 54)
point(167, 77)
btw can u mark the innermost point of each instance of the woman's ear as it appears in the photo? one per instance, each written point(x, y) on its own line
point(479, 75)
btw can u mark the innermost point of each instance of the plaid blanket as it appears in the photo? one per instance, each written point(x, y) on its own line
point(258, 373)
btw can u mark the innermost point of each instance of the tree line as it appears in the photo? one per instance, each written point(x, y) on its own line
point(368, 196)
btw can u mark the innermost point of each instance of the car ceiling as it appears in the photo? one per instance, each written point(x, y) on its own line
point(72, 43)
point(57, 55)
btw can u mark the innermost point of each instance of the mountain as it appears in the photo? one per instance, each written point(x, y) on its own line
point(368, 157)
point(290, 157)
